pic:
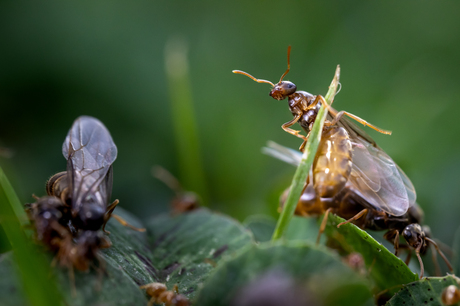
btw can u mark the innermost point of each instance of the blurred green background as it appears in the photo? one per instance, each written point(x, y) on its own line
point(106, 59)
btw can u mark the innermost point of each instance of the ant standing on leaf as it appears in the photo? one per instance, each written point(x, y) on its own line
point(160, 294)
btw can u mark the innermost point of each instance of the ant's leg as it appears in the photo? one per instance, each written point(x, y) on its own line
point(360, 120)
point(355, 217)
point(409, 256)
point(396, 243)
point(112, 206)
point(354, 117)
point(417, 252)
point(304, 143)
point(286, 126)
point(440, 253)
point(124, 223)
point(393, 236)
point(152, 301)
point(316, 101)
point(108, 214)
point(323, 225)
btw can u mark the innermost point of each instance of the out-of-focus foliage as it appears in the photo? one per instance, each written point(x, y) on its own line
point(295, 273)
point(180, 250)
point(106, 59)
point(426, 291)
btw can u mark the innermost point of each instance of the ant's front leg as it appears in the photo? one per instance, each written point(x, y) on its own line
point(393, 236)
point(286, 127)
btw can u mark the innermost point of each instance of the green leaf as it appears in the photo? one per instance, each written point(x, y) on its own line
point(261, 226)
point(386, 270)
point(303, 229)
point(180, 250)
point(114, 288)
point(310, 275)
point(186, 247)
point(130, 249)
point(426, 291)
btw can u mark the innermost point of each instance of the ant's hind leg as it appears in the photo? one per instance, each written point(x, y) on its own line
point(304, 143)
point(125, 223)
point(360, 120)
point(354, 218)
point(440, 253)
point(323, 225)
point(108, 214)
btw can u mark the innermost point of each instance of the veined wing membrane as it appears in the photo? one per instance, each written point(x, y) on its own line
point(90, 152)
point(376, 176)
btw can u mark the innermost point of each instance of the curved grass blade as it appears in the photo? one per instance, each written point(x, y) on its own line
point(308, 156)
point(33, 267)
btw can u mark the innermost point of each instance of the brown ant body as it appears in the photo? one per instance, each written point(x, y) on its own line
point(160, 294)
point(184, 201)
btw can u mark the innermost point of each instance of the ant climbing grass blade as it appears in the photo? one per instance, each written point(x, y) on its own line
point(308, 156)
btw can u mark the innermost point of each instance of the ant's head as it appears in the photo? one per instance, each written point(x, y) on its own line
point(414, 235)
point(280, 90)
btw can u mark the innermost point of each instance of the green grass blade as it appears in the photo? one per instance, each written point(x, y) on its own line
point(33, 267)
point(183, 116)
point(308, 156)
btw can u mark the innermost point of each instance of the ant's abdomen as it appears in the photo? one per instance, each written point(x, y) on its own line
point(333, 161)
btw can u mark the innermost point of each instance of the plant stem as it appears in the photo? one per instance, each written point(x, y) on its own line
point(301, 174)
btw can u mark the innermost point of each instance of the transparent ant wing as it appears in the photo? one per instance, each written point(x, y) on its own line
point(375, 176)
point(90, 152)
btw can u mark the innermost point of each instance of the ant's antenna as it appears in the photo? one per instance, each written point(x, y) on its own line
point(257, 80)
point(289, 64)
point(265, 81)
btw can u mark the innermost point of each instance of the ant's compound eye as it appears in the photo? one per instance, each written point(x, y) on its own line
point(407, 234)
point(289, 87)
